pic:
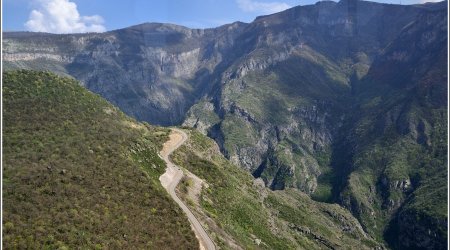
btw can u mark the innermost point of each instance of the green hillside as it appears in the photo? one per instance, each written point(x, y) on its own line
point(240, 211)
point(78, 173)
point(346, 107)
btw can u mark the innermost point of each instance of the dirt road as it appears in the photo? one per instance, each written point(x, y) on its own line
point(171, 178)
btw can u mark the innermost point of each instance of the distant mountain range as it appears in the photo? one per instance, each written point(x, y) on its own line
point(346, 101)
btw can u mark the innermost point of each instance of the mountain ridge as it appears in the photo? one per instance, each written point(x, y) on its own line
point(298, 98)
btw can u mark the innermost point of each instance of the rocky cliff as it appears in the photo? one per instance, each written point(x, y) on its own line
point(154, 72)
point(338, 100)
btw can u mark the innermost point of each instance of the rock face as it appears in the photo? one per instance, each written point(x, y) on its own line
point(154, 72)
point(344, 101)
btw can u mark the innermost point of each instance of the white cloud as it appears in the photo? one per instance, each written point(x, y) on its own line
point(61, 16)
point(262, 7)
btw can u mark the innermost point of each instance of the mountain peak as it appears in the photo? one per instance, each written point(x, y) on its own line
point(155, 26)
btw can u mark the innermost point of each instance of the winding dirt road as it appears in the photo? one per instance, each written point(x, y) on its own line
point(171, 178)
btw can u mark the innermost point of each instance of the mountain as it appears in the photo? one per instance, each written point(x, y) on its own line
point(77, 172)
point(153, 72)
point(344, 101)
point(80, 173)
point(225, 197)
point(396, 142)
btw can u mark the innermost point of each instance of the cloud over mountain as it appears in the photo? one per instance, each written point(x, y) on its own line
point(62, 16)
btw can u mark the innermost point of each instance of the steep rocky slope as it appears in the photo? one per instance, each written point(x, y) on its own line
point(78, 173)
point(395, 148)
point(225, 198)
point(153, 72)
point(343, 101)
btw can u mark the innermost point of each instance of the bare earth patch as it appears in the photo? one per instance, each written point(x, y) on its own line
point(168, 147)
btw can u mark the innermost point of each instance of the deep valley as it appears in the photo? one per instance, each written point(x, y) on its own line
point(319, 127)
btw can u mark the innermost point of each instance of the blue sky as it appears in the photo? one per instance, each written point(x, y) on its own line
point(69, 16)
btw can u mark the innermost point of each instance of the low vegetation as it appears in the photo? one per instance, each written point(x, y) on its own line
point(78, 173)
point(239, 210)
